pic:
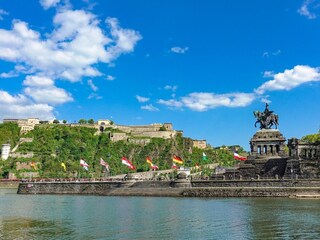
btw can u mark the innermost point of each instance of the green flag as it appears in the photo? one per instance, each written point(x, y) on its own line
point(204, 156)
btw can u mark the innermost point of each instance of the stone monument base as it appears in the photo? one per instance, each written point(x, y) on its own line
point(267, 158)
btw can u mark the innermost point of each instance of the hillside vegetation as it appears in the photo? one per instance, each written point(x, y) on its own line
point(9, 133)
point(312, 138)
point(54, 144)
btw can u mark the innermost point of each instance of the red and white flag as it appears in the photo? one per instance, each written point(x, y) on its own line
point(103, 163)
point(84, 164)
point(128, 163)
point(238, 157)
point(154, 167)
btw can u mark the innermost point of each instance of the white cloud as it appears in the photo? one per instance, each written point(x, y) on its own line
point(265, 100)
point(2, 12)
point(10, 74)
point(172, 88)
point(92, 86)
point(290, 78)
point(304, 9)
point(202, 101)
point(94, 96)
point(71, 51)
point(142, 99)
point(21, 107)
point(110, 78)
point(37, 81)
point(49, 3)
point(268, 74)
point(268, 54)
point(171, 103)
point(179, 50)
point(124, 39)
point(42, 90)
point(150, 108)
point(51, 95)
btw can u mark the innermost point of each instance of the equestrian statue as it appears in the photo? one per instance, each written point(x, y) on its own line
point(266, 119)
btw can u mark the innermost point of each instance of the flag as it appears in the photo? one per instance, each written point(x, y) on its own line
point(238, 157)
point(128, 163)
point(174, 166)
point(204, 156)
point(64, 166)
point(154, 167)
point(149, 160)
point(103, 163)
point(177, 159)
point(84, 164)
point(32, 164)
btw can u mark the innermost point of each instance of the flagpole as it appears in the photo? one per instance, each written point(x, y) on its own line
point(101, 172)
point(79, 172)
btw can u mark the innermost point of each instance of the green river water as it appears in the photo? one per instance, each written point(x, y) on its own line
point(100, 217)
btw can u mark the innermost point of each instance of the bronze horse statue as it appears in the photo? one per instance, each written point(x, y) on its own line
point(266, 119)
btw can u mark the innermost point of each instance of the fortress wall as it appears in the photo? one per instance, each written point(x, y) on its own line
point(143, 141)
point(158, 134)
point(118, 137)
point(139, 129)
point(84, 125)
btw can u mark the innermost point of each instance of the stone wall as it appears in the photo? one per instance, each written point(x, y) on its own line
point(139, 129)
point(22, 155)
point(182, 188)
point(304, 158)
point(139, 141)
point(156, 134)
point(201, 144)
point(114, 137)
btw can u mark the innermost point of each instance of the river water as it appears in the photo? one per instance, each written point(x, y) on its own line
point(100, 217)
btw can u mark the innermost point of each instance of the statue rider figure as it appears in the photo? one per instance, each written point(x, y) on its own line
point(266, 113)
point(266, 118)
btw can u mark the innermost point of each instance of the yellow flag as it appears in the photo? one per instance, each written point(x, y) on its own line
point(64, 166)
point(32, 164)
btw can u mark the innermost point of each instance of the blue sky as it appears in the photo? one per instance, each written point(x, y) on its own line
point(204, 66)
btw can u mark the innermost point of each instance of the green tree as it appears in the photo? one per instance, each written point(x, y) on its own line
point(82, 121)
point(91, 121)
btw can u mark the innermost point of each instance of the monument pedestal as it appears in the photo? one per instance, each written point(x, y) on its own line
point(267, 157)
point(267, 143)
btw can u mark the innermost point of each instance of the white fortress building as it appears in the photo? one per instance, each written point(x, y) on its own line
point(26, 125)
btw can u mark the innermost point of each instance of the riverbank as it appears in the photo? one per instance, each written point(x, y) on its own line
point(178, 188)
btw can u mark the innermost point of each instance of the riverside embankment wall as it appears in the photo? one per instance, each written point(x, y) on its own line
point(178, 188)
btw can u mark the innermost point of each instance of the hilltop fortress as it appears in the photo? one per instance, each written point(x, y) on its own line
point(134, 134)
